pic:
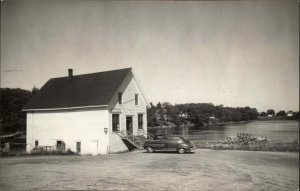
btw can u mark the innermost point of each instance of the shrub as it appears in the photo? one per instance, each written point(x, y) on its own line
point(264, 146)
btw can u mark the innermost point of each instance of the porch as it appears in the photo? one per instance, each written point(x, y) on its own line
point(134, 141)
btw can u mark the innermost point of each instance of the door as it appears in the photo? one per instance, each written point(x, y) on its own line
point(129, 124)
point(173, 143)
point(60, 145)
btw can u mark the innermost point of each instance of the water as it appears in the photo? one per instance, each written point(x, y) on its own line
point(281, 131)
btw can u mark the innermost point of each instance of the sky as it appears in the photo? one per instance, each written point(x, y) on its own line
point(235, 53)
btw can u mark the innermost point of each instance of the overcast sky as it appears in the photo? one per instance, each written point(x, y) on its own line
point(235, 53)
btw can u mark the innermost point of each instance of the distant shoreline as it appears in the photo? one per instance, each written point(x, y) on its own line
point(229, 122)
point(220, 123)
point(192, 125)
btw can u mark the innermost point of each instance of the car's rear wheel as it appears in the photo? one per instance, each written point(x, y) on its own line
point(150, 150)
point(181, 151)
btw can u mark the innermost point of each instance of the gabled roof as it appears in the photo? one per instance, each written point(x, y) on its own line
point(96, 89)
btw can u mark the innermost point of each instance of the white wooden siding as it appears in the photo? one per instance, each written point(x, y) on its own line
point(129, 88)
point(83, 125)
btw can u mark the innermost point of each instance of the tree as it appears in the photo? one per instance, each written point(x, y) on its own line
point(281, 114)
point(253, 114)
point(296, 115)
point(263, 114)
point(12, 101)
point(175, 115)
point(237, 116)
point(160, 112)
point(151, 117)
point(34, 90)
point(270, 112)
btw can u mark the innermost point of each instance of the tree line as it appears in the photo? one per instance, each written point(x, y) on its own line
point(197, 113)
point(281, 114)
point(201, 114)
point(12, 118)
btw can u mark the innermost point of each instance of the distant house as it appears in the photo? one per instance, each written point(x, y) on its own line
point(270, 116)
point(289, 114)
point(184, 115)
point(84, 113)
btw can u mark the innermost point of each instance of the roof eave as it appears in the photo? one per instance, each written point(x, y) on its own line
point(65, 108)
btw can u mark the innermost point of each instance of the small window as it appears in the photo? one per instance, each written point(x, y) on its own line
point(136, 98)
point(120, 97)
point(115, 122)
point(140, 121)
point(78, 147)
point(36, 143)
point(176, 139)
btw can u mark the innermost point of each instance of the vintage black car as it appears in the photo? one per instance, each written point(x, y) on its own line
point(168, 142)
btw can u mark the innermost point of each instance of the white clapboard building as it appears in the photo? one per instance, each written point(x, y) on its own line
point(86, 113)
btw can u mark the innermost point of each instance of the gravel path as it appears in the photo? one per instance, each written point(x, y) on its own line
point(204, 170)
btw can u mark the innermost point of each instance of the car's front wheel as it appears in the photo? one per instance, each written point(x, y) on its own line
point(181, 151)
point(150, 150)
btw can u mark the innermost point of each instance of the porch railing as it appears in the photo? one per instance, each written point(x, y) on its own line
point(135, 140)
point(145, 134)
point(141, 132)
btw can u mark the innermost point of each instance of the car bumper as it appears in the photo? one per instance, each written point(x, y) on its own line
point(191, 150)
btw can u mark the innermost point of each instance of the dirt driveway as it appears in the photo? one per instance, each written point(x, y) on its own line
point(204, 170)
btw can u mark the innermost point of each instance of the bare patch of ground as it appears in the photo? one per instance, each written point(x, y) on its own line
point(204, 170)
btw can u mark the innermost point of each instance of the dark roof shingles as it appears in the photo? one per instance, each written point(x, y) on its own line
point(77, 91)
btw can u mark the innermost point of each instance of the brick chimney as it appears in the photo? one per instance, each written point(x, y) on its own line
point(70, 71)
